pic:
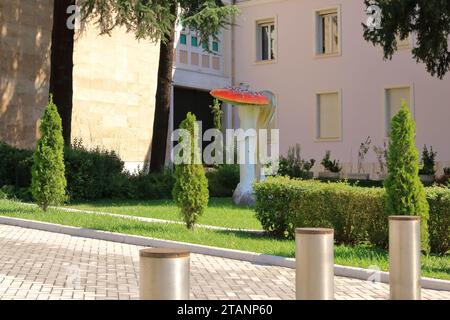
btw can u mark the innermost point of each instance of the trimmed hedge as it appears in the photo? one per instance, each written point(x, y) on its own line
point(357, 214)
point(15, 166)
point(223, 180)
point(94, 174)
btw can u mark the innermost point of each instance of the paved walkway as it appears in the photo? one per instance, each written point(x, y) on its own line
point(42, 265)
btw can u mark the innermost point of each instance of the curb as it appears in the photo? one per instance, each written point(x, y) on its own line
point(341, 271)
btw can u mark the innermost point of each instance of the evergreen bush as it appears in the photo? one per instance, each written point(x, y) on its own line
point(331, 165)
point(405, 193)
point(191, 186)
point(48, 182)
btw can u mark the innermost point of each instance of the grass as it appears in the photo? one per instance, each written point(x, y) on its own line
point(361, 256)
point(220, 212)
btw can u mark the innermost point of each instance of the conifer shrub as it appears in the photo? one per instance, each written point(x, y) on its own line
point(190, 191)
point(48, 182)
point(405, 193)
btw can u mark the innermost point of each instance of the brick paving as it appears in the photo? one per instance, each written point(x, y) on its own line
point(38, 265)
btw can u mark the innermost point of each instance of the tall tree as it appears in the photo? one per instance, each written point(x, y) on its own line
point(428, 20)
point(156, 20)
point(61, 75)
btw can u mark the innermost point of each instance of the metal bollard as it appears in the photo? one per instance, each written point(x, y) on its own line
point(404, 258)
point(164, 274)
point(315, 264)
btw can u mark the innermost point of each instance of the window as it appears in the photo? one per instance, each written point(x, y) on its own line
point(183, 57)
point(194, 41)
point(205, 61)
point(194, 59)
point(216, 63)
point(393, 102)
point(183, 39)
point(329, 117)
point(266, 41)
point(215, 46)
point(403, 44)
point(328, 32)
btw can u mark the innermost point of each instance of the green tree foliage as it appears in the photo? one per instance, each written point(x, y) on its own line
point(155, 20)
point(428, 161)
point(48, 182)
point(429, 20)
point(191, 186)
point(217, 112)
point(405, 193)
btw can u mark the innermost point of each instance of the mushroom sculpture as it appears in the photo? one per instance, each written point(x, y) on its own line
point(256, 111)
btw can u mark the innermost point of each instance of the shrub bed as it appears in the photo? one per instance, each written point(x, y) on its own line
point(223, 180)
point(357, 214)
point(91, 175)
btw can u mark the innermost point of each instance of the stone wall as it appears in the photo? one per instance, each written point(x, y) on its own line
point(25, 43)
point(115, 81)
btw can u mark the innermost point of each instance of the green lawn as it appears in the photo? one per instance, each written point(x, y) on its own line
point(436, 267)
point(220, 212)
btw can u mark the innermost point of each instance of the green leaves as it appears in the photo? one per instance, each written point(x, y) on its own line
point(48, 183)
point(428, 20)
point(191, 187)
point(357, 214)
point(405, 191)
point(155, 19)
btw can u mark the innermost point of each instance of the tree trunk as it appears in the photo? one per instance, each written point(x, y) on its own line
point(162, 104)
point(61, 76)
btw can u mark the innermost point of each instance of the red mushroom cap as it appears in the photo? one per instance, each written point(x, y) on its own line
point(240, 96)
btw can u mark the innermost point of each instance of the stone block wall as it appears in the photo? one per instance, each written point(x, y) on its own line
point(115, 81)
point(25, 44)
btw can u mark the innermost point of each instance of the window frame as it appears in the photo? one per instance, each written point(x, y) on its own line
point(318, 36)
point(385, 120)
point(317, 137)
point(185, 36)
point(259, 24)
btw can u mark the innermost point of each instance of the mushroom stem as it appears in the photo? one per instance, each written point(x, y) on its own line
point(248, 116)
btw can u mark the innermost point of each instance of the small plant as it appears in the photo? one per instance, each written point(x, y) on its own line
point(405, 193)
point(444, 180)
point(428, 161)
point(331, 165)
point(190, 191)
point(382, 155)
point(216, 110)
point(362, 153)
point(48, 182)
point(293, 165)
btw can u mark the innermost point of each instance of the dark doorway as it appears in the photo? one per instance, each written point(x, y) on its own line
point(196, 102)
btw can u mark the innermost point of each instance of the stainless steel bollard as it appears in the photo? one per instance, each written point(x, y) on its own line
point(404, 258)
point(315, 264)
point(164, 274)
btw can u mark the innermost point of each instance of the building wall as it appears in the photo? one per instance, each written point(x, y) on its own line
point(25, 42)
point(115, 81)
point(359, 73)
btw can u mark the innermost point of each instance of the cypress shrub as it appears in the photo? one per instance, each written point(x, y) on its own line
point(405, 193)
point(48, 182)
point(191, 186)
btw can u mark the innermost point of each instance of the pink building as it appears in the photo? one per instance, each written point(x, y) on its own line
point(334, 89)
